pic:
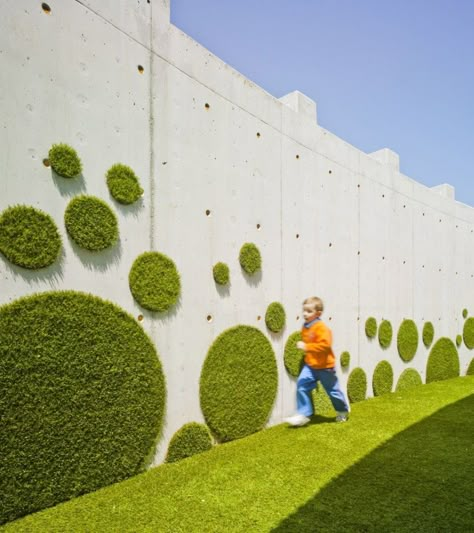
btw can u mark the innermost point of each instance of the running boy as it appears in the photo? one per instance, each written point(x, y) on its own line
point(319, 363)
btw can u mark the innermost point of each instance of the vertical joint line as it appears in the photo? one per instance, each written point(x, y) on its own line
point(151, 129)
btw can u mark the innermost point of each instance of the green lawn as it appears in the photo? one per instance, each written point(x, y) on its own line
point(404, 462)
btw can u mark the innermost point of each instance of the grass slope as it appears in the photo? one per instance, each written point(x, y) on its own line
point(402, 463)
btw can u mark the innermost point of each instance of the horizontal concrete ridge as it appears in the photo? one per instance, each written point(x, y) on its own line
point(300, 103)
point(387, 157)
point(445, 189)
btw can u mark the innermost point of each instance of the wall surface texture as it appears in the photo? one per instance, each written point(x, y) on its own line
point(328, 219)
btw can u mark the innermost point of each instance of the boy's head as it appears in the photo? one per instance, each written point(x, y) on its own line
point(312, 308)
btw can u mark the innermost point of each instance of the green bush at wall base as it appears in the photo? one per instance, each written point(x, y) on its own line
point(28, 237)
point(191, 439)
point(275, 317)
point(64, 160)
point(428, 334)
point(371, 327)
point(91, 223)
point(293, 357)
point(321, 402)
point(357, 385)
point(407, 340)
point(408, 379)
point(385, 334)
point(345, 359)
point(470, 368)
point(221, 274)
point(382, 381)
point(250, 258)
point(238, 383)
point(443, 361)
point(468, 333)
point(82, 399)
point(154, 281)
point(123, 184)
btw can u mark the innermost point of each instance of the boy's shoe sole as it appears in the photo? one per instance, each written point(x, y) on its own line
point(297, 420)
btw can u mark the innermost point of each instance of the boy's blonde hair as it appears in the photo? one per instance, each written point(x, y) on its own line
point(316, 302)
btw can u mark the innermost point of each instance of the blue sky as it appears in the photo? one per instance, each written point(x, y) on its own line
point(384, 73)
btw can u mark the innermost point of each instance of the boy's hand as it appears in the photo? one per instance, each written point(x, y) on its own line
point(301, 345)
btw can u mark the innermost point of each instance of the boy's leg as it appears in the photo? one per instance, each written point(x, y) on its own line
point(329, 381)
point(305, 384)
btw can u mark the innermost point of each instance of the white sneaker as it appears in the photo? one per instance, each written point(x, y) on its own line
point(342, 417)
point(297, 420)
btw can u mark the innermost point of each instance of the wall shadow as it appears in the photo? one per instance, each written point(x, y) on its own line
point(420, 480)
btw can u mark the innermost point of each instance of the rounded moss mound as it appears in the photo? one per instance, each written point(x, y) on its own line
point(250, 258)
point(385, 334)
point(191, 439)
point(407, 340)
point(91, 223)
point(443, 361)
point(357, 385)
point(275, 317)
point(458, 340)
point(221, 274)
point(468, 333)
point(371, 327)
point(470, 368)
point(82, 400)
point(235, 400)
point(293, 358)
point(408, 379)
point(64, 160)
point(382, 381)
point(28, 237)
point(464, 313)
point(345, 359)
point(428, 334)
point(321, 402)
point(154, 281)
point(123, 184)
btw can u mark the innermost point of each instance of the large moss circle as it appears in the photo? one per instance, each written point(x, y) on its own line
point(238, 383)
point(407, 340)
point(468, 333)
point(357, 385)
point(250, 258)
point(443, 361)
point(382, 381)
point(123, 184)
point(64, 160)
point(191, 439)
point(371, 327)
point(428, 334)
point(470, 368)
point(82, 399)
point(91, 223)
point(154, 281)
point(293, 357)
point(275, 317)
point(408, 379)
point(385, 334)
point(28, 237)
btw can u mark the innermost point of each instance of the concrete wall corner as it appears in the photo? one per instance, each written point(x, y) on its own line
point(387, 157)
point(300, 103)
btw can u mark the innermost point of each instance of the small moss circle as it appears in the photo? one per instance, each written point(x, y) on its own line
point(385, 334)
point(345, 359)
point(382, 381)
point(123, 184)
point(443, 361)
point(250, 259)
point(468, 333)
point(428, 334)
point(64, 160)
point(371, 327)
point(458, 340)
point(28, 237)
point(464, 313)
point(275, 317)
point(91, 223)
point(357, 385)
point(221, 274)
point(408, 379)
point(407, 340)
point(154, 281)
point(293, 358)
point(235, 400)
point(191, 439)
point(470, 368)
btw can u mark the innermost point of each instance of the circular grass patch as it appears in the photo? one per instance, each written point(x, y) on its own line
point(275, 317)
point(235, 400)
point(357, 385)
point(123, 184)
point(385, 334)
point(371, 327)
point(345, 359)
point(91, 223)
point(64, 160)
point(154, 281)
point(221, 274)
point(28, 237)
point(408, 379)
point(470, 368)
point(458, 340)
point(428, 334)
point(293, 357)
point(382, 380)
point(321, 402)
point(191, 439)
point(82, 401)
point(407, 340)
point(468, 333)
point(250, 259)
point(443, 361)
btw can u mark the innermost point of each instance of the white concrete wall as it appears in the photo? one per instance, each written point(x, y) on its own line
point(371, 242)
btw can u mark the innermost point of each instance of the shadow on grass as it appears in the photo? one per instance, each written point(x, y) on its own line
point(421, 480)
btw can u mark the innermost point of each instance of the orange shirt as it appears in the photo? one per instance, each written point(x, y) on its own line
point(318, 340)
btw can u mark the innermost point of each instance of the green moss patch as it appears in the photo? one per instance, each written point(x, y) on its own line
point(345, 359)
point(64, 160)
point(275, 317)
point(28, 237)
point(293, 358)
point(123, 184)
point(407, 340)
point(191, 439)
point(408, 379)
point(428, 334)
point(382, 381)
point(154, 281)
point(443, 361)
point(470, 368)
point(82, 399)
point(458, 340)
point(371, 327)
point(468, 333)
point(464, 313)
point(357, 385)
point(91, 223)
point(321, 402)
point(385, 334)
point(250, 258)
point(221, 274)
point(238, 383)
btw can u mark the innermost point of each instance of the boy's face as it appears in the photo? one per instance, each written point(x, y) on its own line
point(309, 312)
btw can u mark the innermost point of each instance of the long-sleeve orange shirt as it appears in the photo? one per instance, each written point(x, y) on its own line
point(318, 340)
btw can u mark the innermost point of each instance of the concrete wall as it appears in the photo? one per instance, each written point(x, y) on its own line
point(328, 219)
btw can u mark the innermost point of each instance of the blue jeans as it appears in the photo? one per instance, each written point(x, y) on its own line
point(307, 381)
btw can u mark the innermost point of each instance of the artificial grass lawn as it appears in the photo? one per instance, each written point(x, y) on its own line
point(404, 462)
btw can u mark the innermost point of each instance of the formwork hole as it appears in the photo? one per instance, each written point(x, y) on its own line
point(330, 172)
point(208, 212)
point(258, 134)
point(258, 226)
point(140, 318)
point(297, 235)
point(330, 244)
point(46, 162)
point(141, 70)
point(297, 156)
point(46, 8)
point(297, 318)
point(209, 318)
point(259, 317)
point(206, 105)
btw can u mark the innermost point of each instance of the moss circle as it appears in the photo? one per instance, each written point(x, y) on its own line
point(28, 237)
point(191, 439)
point(123, 184)
point(275, 317)
point(64, 160)
point(470, 368)
point(464, 313)
point(407, 340)
point(91, 223)
point(371, 327)
point(293, 358)
point(357, 385)
point(382, 381)
point(345, 359)
point(221, 274)
point(235, 400)
point(443, 361)
point(321, 402)
point(82, 401)
point(458, 340)
point(385, 334)
point(468, 333)
point(428, 334)
point(408, 379)
point(250, 258)
point(154, 281)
